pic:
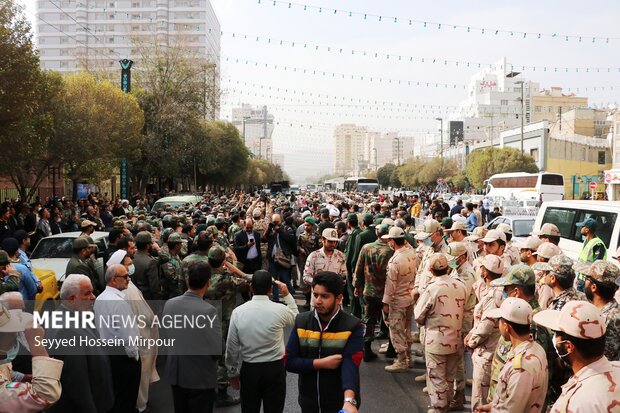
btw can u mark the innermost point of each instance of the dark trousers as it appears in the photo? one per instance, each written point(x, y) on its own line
point(281, 274)
point(251, 266)
point(193, 400)
point(125, 383)
point(263, 382)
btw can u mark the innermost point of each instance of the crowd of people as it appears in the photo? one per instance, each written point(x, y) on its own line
point(543, 331)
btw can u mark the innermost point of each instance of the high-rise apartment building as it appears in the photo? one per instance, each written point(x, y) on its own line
point(96, 34)
point(255, 125)
point(350, 149)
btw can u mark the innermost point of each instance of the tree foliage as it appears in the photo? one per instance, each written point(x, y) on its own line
point(261, 172)
point(384, 174)
point(96, 125)
point(483, 163)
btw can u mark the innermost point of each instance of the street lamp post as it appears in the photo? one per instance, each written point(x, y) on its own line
point(376, 161)
point(244, 119)
point(441, 141)
point(520, 82)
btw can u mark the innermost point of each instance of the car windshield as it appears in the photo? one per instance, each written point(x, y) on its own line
point(522, 227)
point(158, 206)
point(53, 248)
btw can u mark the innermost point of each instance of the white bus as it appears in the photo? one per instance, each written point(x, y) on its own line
point(540, 186)
point(361, 184)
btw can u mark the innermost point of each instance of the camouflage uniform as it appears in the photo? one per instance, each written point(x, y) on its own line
point(483, 339)
point(171, 274)
point(369, 276)
point(440, 310)
point(308, 242)
point(565, 296)
point(522, 382)
point(261, 226)
point(196, 256)
point(594, 388)
point(234, 228)
point(401, 272)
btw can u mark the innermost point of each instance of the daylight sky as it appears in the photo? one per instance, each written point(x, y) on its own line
point(305, 125)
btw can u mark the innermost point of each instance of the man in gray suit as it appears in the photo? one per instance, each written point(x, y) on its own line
point(191, 372)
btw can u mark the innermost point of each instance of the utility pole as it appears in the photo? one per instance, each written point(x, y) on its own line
point(521, 82)
point(441, 141)
point(125, 87)
point(376, 159)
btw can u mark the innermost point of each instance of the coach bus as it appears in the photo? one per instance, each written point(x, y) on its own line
point(540, 186)
point(361, 184)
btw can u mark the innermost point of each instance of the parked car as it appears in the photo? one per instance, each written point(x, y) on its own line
point(54, 252)
point(566, 214)
point(521, 225)
point(175, 201)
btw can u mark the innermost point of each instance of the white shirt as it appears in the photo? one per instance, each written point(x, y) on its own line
point(252, 251)
point(256, 332)
point(111, 302)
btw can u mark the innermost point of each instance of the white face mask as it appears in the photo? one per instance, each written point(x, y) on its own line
point(131, 270)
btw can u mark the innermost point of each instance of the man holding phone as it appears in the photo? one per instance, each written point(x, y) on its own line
point(247, 248)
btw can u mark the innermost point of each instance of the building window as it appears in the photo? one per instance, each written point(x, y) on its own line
point(534, 154)
point(537, 108)
point(110, 39)
point(135, 5)
point(601, 157)
point(504, 102)
point(111, 16)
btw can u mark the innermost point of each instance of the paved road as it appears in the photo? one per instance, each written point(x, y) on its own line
point(381, 392)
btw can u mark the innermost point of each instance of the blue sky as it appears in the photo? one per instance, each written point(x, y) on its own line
point(304, 131)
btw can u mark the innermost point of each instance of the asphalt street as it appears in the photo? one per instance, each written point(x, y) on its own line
point(381, 391)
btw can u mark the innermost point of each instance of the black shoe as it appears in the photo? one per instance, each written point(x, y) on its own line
point(369, 355)
point(226, 400)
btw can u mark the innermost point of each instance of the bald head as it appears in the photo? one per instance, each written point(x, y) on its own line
point(249, 224)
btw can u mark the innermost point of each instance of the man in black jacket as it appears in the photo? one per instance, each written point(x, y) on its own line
point(280, 237)
point(328, 368)
point(247, 248)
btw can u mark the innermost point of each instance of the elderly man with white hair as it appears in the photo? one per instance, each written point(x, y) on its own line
point(138, 304)
point(111, 305)
point(86, 376)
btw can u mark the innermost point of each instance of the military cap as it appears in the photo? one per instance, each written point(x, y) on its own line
point(144, 237)
point(310, 220)
point(81, 243)
point(438, 261)
point(589, 223)
point(519, 274)
point(175, 238)
point(166, 233)
point(387, 221)
point(352, 218)
point(379, 220)
point(395, 233)
point(562, 266)
point(219, 221)
point(548, 250)
point(200, 228)
point(210, 220)
point(456, 249)
point(579, 319)
point(600, 270)
point(429, 227)
point(494, 235)
point(456, 226)
point(505, 228)
point(531, 243)
point(447, 222)
point(477, 234)
point(548, 229)
point(324, 211)
point(4, 257)
point(212, 231)
point(493, 263)
point(330, 234)
point(216, 253)
point(513, 309)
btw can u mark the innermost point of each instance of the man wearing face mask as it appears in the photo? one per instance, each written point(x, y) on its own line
point(600, 289)
point(519, 283)
point(522, 382)
point(484, 336)
point(462, 270)
point(579, 340)
point(593, 248)
point(44, 388)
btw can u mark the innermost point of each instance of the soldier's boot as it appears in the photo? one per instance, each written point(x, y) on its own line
point(399, 366)
point(369, 355)
point(458, 401)
point(420, 379)
point(409, 361)
point(223, 399)
point(415, 337)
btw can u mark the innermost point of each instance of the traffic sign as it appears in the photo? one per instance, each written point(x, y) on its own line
point(593, 185)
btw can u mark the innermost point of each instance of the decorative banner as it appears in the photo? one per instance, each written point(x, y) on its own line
point(414, 23)
point(393, 57)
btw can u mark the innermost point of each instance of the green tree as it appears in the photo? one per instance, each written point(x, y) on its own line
point(483, 163)
point(384, 174)
point(27, 97)
point(96, 125)
point(395, 179)
point(408, 172)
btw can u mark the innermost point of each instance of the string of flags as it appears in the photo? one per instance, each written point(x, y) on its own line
point(431, 25)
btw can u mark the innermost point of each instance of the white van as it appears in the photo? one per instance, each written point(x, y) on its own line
point(566, 214)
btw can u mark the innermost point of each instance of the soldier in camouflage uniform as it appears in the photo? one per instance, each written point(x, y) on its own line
point(369, 281)
point(510, 250)
point(600, 288)
point(172, 282)
point(233, 229)
point(307, 242)
point(203, 243)
point(520, 282)
point(223, 288)
point(9, 277)
point(560, 275)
